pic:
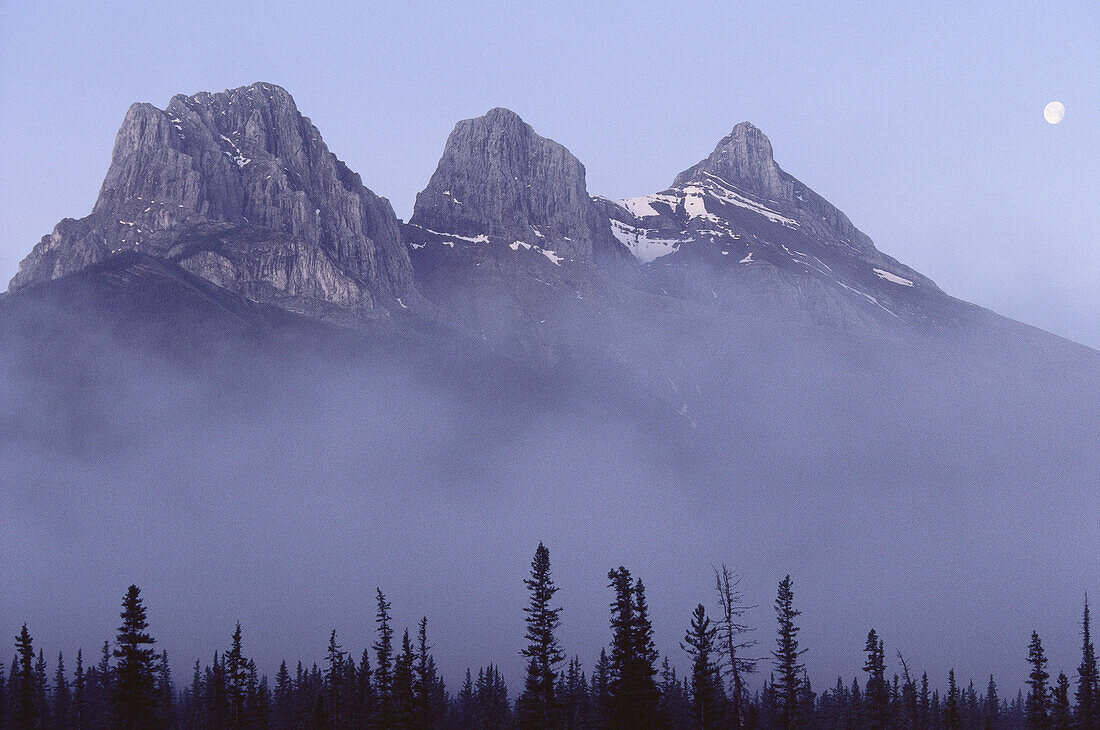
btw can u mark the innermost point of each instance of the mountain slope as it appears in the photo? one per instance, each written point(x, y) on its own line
point(238, 188)
point(736, 225)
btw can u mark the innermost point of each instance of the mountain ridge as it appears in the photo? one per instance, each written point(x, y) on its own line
point(244, 157)
point(238, 188)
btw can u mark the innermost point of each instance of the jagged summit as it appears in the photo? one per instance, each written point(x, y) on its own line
point(738, 186)
point(752, 225)
point(743, 158)
point(239, 188)
point(499, 179)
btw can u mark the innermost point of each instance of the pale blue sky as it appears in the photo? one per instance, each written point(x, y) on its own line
point(924, 124)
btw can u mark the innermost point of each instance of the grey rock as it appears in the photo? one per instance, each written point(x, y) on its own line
point(239, 188)
point(498, 178)
point(506, 242)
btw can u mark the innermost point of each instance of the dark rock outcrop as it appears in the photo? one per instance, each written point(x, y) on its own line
point(238, 188)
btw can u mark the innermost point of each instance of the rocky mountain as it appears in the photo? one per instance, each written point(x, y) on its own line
point(239, 188)
point(736, 225)
point(499, 182)
point(505, 245)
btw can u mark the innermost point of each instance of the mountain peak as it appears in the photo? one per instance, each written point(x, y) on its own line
point(743, 158)
point(498, 178)
point(238, 187)
point(257, 90)
point(500, 114)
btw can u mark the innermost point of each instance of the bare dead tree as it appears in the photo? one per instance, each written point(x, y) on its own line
point(911, 690)
point(731, 631)
point(904, 668)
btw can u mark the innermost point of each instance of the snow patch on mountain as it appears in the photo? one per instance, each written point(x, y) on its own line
point(727, 193)
point(894, 278)
point(642, 206)
point(641, 243)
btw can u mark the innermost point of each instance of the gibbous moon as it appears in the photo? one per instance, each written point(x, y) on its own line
point(1054, 111)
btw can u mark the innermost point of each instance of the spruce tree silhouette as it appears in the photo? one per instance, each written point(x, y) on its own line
point(135, 691)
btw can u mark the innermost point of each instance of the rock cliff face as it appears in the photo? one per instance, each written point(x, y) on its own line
point(238, 188)
point(506, 241)
point(500, 180)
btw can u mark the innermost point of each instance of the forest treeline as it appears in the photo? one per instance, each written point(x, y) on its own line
point(394, 683)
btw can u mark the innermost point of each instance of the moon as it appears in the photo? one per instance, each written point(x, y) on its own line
point(1054, 111)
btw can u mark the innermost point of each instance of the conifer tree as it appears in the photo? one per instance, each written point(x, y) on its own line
point(600, 692)
point(334, 681)
point(646, 650)
point(62, 694)
point(80, 696)
point(99, 688)
point(574, 697)
point(25, 712)
point(383, 673)
point(675, 702)
point(236, 680)
point(1088, 680)
point(465, 704)
point(952, 717)
point(165, 691)
point(924, 702)
point(768, 710)
point(1061, 715)
point(284, 699)
point(302, 702)
point(191, 699)
point(364, 689)
point(536, 705)
point(403, 682)
point(42, 686)
point(807, 699)
point(1017, 710)
point(429, 695)
point(906, 710)
point(135, 692)
point(622, 659)
point(631, 687)
point(992, 708)
point(971, 712)
point(491, 710)
point(707, 697)
point(260, 710)
point(217, 691)
point(835, 705)
point(1038, 699)
point(789, 669)
point(877, 694)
